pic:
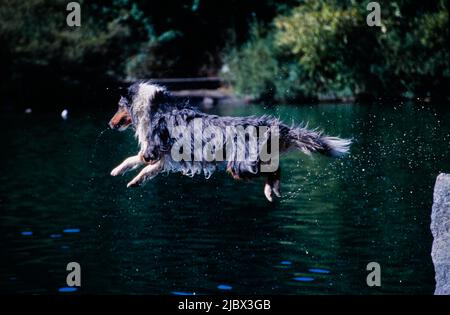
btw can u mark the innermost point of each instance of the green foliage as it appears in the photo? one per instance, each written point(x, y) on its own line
point(317, 37)
point(298, 48)
point(326, 47)
point(122, 38)
point(253, 67)
point(35, 33)
point(418, 58)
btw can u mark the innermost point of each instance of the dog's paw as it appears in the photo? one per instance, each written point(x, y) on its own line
point(277, 192)
point(116, 171)
point(268, 192)
point(276, 189)
point(133, 183)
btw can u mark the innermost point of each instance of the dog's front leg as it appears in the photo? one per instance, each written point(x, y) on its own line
point(129, 164)
point(146, 173)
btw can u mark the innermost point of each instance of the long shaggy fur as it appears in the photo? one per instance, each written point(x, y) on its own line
point(155, 115)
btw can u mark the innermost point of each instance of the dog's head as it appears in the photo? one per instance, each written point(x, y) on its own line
point(122, 118)
point(137, 100)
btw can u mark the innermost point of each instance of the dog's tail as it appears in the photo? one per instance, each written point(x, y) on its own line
point(309, 141)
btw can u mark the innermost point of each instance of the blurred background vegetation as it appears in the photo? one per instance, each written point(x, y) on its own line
point(282, 50)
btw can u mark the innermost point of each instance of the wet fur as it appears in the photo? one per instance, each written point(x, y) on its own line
point(154, 114)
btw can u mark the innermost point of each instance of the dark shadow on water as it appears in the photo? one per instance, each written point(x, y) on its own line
point(183, 235)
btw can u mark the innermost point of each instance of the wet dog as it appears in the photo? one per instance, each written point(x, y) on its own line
point(175, 137)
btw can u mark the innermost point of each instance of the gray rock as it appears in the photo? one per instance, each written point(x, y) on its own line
point(440, 227)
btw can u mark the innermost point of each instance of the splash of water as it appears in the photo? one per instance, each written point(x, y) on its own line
point(94, 151)
point(94, 154)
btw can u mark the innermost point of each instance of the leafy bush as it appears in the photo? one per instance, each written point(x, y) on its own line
point(253, 67)
point(299, 49)
point(326, 47)
point(317, 38)
point(417, 59)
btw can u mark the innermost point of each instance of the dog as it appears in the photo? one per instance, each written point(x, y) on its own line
point(167, 129)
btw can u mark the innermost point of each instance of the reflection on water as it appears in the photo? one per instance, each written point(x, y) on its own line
point(179, 235)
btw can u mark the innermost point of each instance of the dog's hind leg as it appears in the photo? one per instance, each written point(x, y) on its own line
point(129, 164)
point(147, 173)
point(272, 185)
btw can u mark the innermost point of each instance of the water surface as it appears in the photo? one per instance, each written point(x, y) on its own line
point(182, 235)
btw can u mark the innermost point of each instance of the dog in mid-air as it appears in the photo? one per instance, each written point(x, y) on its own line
point(174, 137)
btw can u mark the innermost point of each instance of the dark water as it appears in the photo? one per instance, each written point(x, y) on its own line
point(179, 234)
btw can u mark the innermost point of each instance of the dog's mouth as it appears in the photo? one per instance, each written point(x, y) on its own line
point(123, 127)
point(120, 126)
point(121, 120)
